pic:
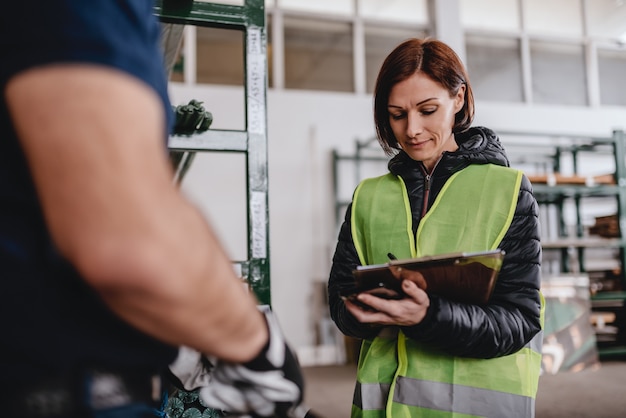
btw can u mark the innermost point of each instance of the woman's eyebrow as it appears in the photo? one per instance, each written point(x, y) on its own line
point(417, 104)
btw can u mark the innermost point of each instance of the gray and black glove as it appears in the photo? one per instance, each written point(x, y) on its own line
point(270, 385)
point(190, 370)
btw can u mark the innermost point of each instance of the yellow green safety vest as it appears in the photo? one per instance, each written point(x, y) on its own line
point(399, 377)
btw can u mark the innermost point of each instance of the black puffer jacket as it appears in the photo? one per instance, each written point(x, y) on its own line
point(511, 318)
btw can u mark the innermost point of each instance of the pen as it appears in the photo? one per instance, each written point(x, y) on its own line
point(391, 256)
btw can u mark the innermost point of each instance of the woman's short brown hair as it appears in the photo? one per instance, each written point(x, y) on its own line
point(433, 58)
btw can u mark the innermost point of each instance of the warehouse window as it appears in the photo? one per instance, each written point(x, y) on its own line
point(410, 11)
point(337, 7)
point(612, 67)
point(379, 42)
point(220, 54)
point(554, 17)
point(517, 50)
point(503, 15)
point(495, 68)
point(558, 73)
point(318, 55)
point(606, 19)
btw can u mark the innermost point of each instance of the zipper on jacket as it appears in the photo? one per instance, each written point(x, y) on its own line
point(426, 193)
point(427, 181)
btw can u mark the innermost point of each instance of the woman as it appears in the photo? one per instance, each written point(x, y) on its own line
point(423, 355)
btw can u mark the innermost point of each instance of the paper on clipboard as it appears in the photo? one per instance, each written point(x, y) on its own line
point(461, 277)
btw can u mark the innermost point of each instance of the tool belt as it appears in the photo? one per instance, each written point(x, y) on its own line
point(78, 396)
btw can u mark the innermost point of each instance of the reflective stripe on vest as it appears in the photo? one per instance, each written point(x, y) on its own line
point(428, 397)
point(475, 208)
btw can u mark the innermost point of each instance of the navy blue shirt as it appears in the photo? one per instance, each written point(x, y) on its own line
point(50, 320)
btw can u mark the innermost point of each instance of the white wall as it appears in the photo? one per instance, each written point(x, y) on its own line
point(573, 120)
point(303, 129)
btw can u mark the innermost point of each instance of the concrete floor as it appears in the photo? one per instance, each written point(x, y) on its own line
point(590, 393)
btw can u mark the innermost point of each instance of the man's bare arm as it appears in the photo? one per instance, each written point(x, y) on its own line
point(93, 140)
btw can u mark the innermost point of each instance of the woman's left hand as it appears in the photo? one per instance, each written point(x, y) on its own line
point(409, 310)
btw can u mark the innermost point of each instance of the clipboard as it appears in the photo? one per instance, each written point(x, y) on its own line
point(462, 277)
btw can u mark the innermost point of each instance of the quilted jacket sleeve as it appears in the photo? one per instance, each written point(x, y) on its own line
point(345, 260)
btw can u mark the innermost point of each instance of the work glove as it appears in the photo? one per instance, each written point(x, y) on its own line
point(191, 118)
point(190, 370)
point(270, 385)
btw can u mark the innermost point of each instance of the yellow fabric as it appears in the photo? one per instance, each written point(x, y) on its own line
point(475, 208)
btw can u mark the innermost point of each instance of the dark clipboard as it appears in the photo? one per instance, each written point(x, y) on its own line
point(461, 277)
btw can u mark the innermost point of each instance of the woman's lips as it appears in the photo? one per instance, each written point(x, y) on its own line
point(417, 144)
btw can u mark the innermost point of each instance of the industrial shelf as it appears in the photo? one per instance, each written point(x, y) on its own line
point(576, 239)
point(252, 141)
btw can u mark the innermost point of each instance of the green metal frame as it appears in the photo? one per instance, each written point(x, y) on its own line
point(249, 18)
point(357, 159)
point(556, 195)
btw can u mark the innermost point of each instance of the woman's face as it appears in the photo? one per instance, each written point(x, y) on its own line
point(421, 115)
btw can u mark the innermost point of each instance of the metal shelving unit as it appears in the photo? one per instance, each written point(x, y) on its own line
point(365, 152)
point(252, 141)
point(573, 245)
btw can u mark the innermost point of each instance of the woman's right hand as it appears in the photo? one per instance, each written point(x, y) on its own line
point(409, 310)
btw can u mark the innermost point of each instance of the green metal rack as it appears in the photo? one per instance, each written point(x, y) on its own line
point(558, 195)
point(365, 151)
point(252, 141)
